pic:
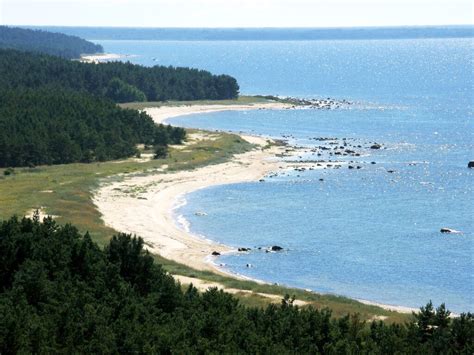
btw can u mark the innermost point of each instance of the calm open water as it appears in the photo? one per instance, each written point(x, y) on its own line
point(362, 233)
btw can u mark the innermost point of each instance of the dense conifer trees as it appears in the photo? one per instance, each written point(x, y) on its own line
point(121, 82)
point(55, 126)
point(59, 292)
point(54, 110)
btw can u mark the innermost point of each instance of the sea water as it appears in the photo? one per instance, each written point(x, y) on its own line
point(366, 233)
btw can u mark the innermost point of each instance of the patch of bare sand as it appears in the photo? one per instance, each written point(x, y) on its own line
point(204, 285)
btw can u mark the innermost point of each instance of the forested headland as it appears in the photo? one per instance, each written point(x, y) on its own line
point(118, 81)
point(58, 44)
point(51, 126)
point(59, 292)
point(54, 110)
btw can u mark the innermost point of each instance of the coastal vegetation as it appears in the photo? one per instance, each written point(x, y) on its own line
point(118, 81)
point(60, 292)
point(57, 126)
point(66, 190)
point(52, 43)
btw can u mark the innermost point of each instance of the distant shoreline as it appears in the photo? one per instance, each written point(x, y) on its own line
point(101, 57)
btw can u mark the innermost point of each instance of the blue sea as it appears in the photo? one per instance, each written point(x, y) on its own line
point(363, 233)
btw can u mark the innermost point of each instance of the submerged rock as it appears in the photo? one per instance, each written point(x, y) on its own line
point(470, 165)
point(375, 146)
point(276, 248)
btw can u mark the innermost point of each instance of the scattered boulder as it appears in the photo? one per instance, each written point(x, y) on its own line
point(470, 165)
point(244, 249)
point(249, 265)
point(276, 248)
point(215, 253)
point(375, 146)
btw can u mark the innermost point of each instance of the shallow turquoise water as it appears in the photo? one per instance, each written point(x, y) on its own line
point(363, 233)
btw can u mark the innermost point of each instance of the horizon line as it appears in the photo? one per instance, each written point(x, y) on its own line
point(253, 28)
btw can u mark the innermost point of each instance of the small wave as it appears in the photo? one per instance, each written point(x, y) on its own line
point(182, 222)
point(180, 201)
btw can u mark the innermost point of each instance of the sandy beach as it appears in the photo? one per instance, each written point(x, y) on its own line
point(143, 205)
point(161, 114)
point(101, 57)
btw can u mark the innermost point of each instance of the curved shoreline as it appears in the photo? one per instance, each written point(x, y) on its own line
point(151, 214)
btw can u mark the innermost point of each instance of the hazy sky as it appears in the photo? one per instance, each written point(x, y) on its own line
point(235, 13)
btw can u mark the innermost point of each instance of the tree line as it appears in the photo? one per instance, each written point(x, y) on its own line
point(118, 81)
point(60, 292)
point(52, 43)
point(51, 126)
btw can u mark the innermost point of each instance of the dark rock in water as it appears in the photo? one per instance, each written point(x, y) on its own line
point(276, 248)
point(449, 230)
point(321, 179)
point(373, 162)
point(471, 164)
point(350, 167)
point(248, 265)
point(244, 249)
point(390, 171)
point(375, 146)
point(215, 253)
point(261, 180)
